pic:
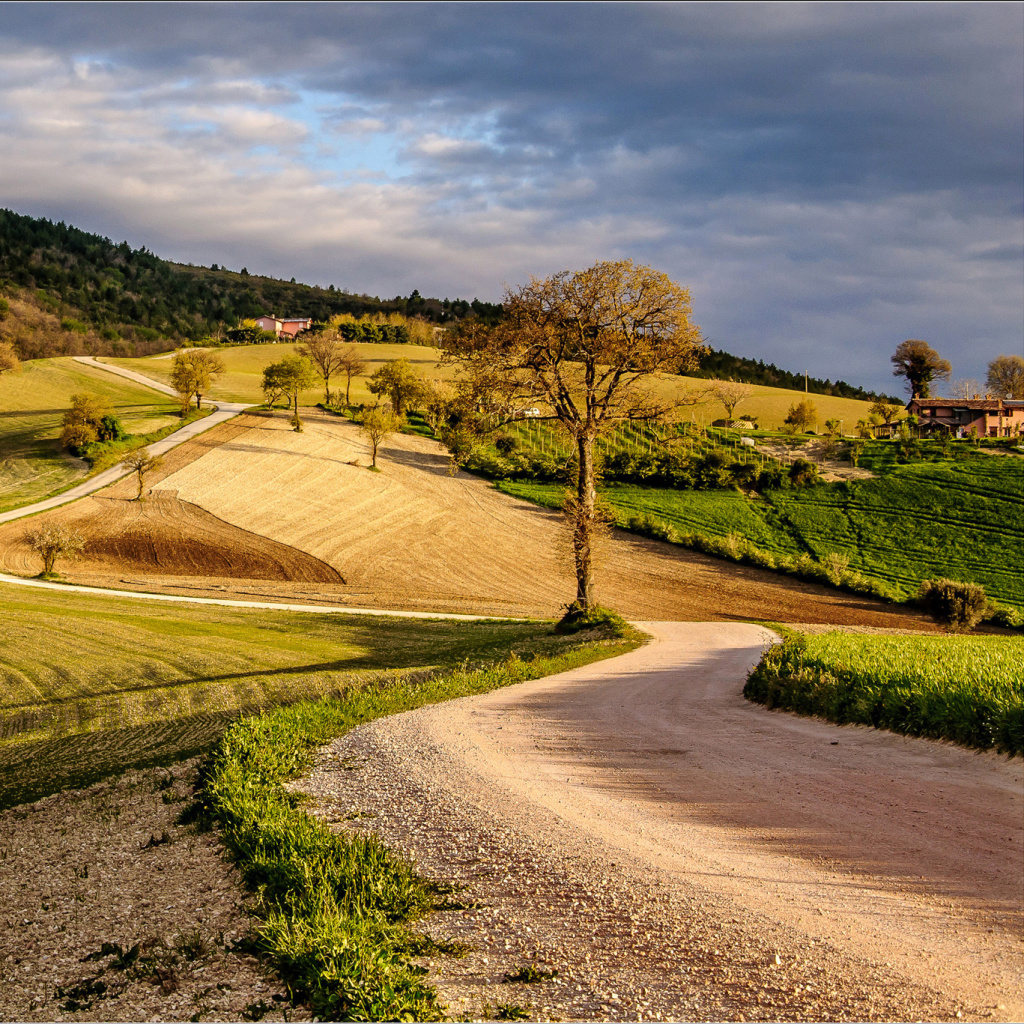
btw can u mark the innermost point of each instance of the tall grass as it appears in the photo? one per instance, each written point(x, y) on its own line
point(969, 690)
point(334, 912)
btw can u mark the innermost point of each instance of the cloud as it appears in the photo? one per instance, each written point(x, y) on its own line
point(828, 179)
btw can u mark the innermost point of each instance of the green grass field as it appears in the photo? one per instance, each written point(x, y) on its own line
point(960, 519)
point(969, 690)
point(32, 405)
point(94, 684)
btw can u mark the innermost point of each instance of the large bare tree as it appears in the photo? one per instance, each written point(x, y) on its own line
point(584, 345)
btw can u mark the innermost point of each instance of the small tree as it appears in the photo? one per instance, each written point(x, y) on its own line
point(193, 373)
point(140, 462)
point(920, 364)
point(352, 364)
point(964, 390)
point(855, 451)
point(1005, 377)
point(802, 414)
point(54, 541)
point(377, 426)
point(326, 352)
point(291, 375)
point(90, 418)
point(400, 382)
point(832, 427)
point(731, 393)
point(957, 607)
point(885, 410)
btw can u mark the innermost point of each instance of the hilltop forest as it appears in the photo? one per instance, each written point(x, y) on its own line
point(69, 292)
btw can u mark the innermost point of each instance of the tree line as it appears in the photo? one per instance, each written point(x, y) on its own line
point(131, 294)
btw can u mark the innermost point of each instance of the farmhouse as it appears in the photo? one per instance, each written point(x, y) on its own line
point(284, 327)
point(987, 417)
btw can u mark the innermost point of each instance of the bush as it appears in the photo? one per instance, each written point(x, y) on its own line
point(577, 618)
point(956, 606)
point(803, 473)
point(506, 444)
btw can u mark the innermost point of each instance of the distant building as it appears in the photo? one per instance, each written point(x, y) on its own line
point(988, 417)
point(287, 327)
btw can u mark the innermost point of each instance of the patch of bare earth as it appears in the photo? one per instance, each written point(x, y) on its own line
point(414, 537)
point(111, 911)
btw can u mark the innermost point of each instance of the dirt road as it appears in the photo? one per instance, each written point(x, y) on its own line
point(800, 870)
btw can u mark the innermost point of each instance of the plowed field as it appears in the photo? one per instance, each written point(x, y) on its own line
point(300, 516)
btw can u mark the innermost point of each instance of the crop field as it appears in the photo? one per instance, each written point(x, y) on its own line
point(93, 684)
point(969, 690)
point(963, 520)
point(32, 404)
point(960, 519)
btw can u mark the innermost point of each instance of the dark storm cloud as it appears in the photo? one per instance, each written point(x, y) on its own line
point(786, 160)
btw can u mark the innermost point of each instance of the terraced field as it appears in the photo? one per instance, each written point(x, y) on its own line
point(32, 404)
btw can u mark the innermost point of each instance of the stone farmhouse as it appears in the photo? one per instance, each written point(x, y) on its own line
point(284, 328)
point(988, 417)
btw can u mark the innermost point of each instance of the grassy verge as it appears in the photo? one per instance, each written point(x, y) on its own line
point(103, 454)
point(335, 912)
point(969, 690)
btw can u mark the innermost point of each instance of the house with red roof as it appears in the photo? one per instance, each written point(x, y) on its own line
point(987, 417)
point(284, 328)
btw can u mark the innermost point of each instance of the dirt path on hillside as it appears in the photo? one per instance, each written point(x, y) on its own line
point(675, 852)
point(410, 537)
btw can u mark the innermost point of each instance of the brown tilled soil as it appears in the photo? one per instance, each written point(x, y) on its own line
point(257, 510)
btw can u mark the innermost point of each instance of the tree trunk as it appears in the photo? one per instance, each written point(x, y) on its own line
point(583, 527)
point(348, 385)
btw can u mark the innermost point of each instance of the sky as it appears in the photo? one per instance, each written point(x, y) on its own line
point(827, 179)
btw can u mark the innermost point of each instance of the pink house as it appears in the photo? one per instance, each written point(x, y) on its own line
point(287, 327)
point(989, 417)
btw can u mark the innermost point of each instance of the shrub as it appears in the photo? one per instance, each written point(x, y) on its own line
point(835, 566)
point(956, 606)
point(803, 473)
point(506, 444)
point(576, 618)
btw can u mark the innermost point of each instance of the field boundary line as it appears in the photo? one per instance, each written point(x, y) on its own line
point(69, 588)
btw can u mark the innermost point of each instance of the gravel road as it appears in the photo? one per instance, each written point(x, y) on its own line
point(674, 852)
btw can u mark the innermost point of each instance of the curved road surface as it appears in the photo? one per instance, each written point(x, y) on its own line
point(904, 853)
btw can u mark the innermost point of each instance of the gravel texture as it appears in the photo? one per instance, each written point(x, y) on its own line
point(626, 945)
point(111, 911)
